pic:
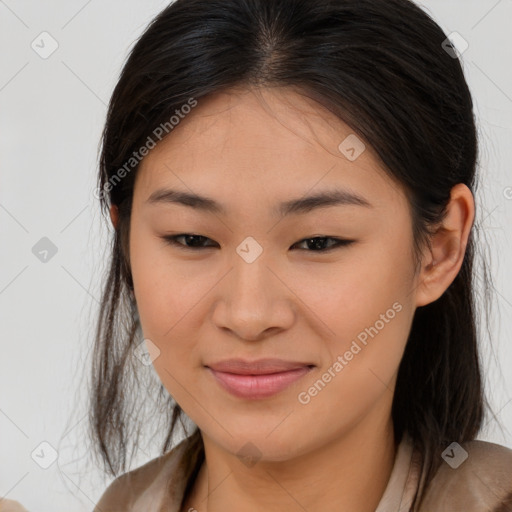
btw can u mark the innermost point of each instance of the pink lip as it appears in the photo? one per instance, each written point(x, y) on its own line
point(258, 379)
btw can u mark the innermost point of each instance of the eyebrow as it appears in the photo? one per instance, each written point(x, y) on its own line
point(323, 199)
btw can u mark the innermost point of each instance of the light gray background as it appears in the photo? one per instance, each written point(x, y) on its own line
point(52, 113)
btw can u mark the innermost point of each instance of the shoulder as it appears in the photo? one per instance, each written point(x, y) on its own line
point(11, 506)
point(474, 476)
point(143, 485)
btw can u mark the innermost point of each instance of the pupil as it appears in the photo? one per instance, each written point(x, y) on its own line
point(317, 242)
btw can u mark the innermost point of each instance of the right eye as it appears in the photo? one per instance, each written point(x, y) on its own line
point(195, 240)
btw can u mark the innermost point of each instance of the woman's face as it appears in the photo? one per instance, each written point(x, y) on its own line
point(254, 287)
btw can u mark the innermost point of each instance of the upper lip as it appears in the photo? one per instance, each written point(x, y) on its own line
point(258, 367)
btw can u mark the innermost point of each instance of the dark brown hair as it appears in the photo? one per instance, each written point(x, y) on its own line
point(383, 67)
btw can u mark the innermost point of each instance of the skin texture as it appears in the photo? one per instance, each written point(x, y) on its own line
point(250, 149)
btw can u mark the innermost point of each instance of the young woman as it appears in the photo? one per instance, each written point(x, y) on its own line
point(291, 184)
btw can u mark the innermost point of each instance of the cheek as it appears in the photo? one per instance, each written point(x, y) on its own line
point(367, 306)
point(170, 301)
point(352, 293)
point(166, 289)
point(343, 302)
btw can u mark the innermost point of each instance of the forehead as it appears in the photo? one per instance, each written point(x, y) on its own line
point(257, 118)
point(272, 142)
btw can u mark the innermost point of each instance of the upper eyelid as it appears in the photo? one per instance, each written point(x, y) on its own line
point(339, 241)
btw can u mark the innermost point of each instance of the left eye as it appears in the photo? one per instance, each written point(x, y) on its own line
point(316, 242)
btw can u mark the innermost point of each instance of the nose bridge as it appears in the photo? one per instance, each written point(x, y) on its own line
point(252, 297)
point(250, 280)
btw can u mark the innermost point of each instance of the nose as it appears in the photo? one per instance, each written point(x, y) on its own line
point(253, 301)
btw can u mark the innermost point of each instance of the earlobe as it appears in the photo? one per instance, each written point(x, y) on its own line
point(444, 258)
point(114, 215)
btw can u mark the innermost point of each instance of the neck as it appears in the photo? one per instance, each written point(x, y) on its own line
point(350, 472)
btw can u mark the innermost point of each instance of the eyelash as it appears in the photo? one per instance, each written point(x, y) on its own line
point(172, 240)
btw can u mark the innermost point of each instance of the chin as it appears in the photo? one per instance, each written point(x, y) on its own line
point(260, 447)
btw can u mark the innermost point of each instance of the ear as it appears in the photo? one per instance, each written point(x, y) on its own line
point(442, 262)
point(114, 215)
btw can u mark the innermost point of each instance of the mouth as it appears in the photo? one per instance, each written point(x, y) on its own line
point(258, 379)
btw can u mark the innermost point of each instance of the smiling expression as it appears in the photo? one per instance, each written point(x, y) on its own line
point(254, 176)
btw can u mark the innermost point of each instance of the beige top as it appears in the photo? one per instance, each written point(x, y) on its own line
point(480, 483)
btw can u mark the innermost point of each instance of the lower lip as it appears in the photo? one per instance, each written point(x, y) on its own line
point(258, 386)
